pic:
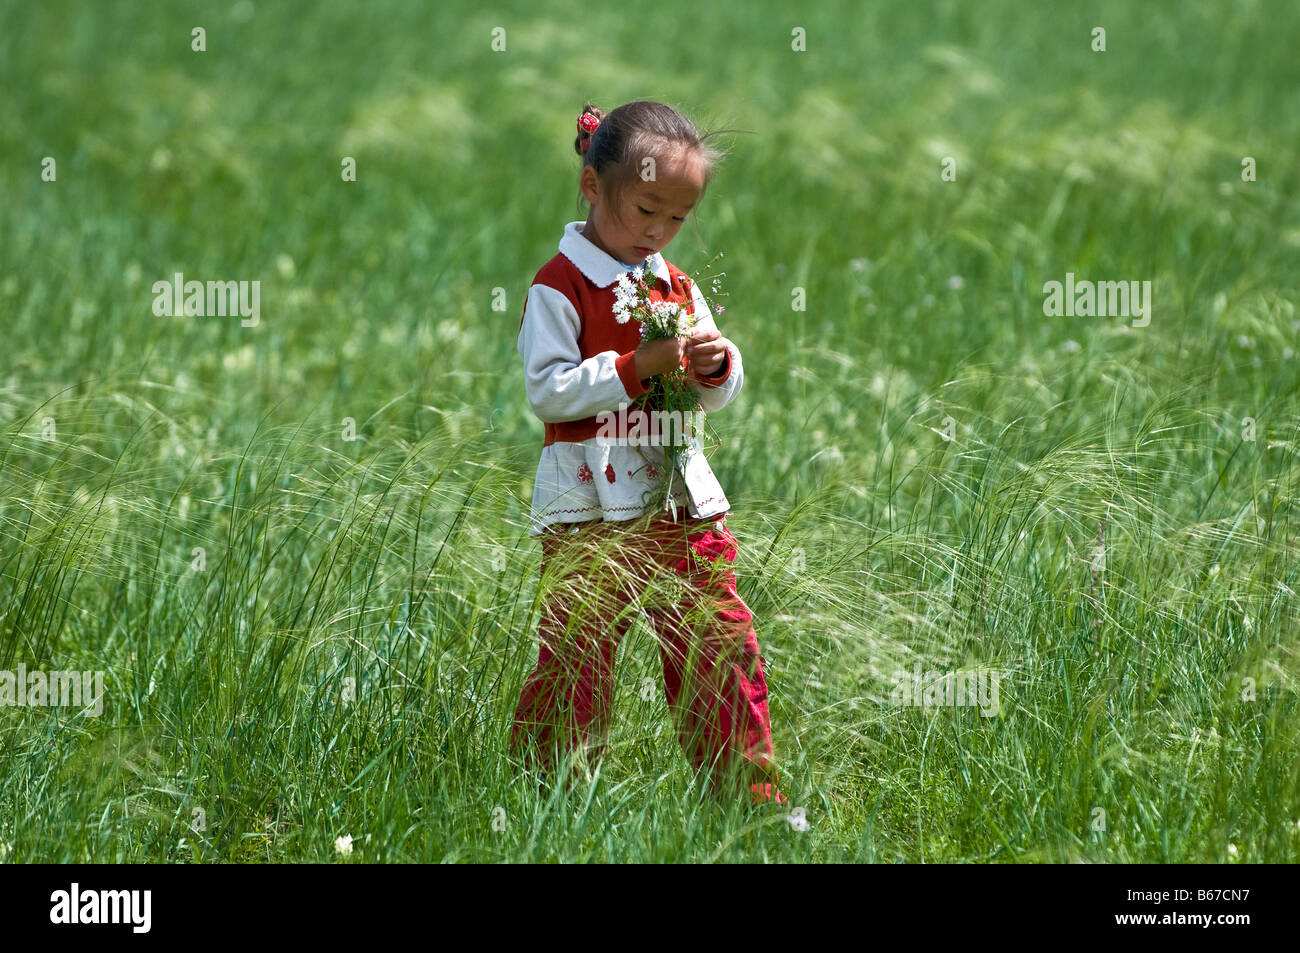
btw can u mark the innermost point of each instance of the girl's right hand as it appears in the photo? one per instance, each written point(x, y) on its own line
point(657, 357)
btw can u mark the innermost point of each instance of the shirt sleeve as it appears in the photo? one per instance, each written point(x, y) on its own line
point(562, 386)
point(718, 390)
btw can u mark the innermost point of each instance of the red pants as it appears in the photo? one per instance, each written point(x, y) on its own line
point(594, 583)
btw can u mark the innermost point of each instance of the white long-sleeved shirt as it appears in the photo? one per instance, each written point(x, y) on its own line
point(579, 362)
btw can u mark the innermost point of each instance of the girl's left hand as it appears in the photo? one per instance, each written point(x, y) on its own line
point(705, 351)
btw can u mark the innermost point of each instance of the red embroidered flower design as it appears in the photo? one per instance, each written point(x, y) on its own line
point(609, 472)
point(652, 471)
point(584, 474)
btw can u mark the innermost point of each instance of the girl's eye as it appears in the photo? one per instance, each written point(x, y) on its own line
point(646, 211)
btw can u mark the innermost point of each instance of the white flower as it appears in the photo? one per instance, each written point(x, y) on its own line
point(625, 298)
point(638, 272)
point(670, 317)
point(343, 844)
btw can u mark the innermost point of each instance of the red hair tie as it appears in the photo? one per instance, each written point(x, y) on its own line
point(587, 123)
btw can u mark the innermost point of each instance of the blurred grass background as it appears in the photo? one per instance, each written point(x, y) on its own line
point(399, 559)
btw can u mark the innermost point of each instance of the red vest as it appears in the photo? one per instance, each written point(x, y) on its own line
point(598, 330)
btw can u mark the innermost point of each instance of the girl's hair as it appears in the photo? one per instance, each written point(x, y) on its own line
point(637, 130)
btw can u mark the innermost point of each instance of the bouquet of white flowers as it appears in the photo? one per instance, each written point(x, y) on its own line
point(671, 391)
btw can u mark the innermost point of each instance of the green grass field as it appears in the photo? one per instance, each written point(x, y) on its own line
point(180, 507)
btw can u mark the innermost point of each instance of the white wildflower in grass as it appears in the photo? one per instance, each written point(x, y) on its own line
point(343, 844)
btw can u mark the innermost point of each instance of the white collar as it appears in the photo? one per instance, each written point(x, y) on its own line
point(600, 267)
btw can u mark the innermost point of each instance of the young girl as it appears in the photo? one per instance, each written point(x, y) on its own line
point(616, 517)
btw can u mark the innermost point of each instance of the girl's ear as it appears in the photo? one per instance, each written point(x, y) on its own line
point(589, 184)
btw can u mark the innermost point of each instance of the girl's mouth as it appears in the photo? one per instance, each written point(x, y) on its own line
point(643, 251)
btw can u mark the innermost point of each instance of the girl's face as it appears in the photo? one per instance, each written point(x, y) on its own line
point(650, 213)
